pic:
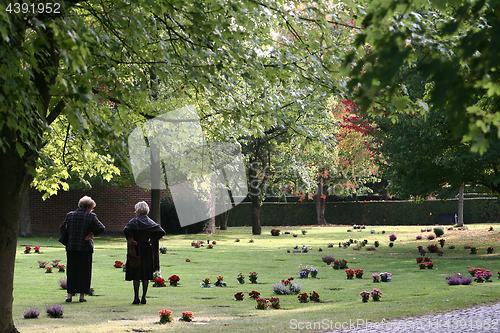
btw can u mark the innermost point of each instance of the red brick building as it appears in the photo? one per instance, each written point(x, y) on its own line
point(114, 208)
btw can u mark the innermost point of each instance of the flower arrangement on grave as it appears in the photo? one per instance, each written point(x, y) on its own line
point(365, 296)
point(376, 293)
point(48, 269)
point(91, 291)
point(27, 249)
point(422, 252)
point(61, 268)
point(118, 264)
point(330, 244)
point(187, 316)
point(418, 237)
point(350, 273)
point(205, 283)
point(237, 240)
point(304, 274)
point(159, 282)
point(63, 283)
point(473, 271)
point(174, 280)
point(275, 232)
point(196, 245)
point(275, 302)
point(32, 313)
point(314, 273)
point(473, 250)
point(163, 249)
point(391, 244)
point(376, 277)
point(37, 249)
point(483, 276)
point(392, 237)
point(239, 296)
point(419, 260)
point(431, 237)
point(427, 259)
point(442, 241)
point(251, 241)
point(304, 232)
point(188, 260)
point(254, 294)
point(54, 311)
point(421, 265)
point(343, 264)
point(336, 264)
point(220, 282)
point(314, 296)
point(303, 298)
point(165, 316)
point(55, 262)
point(253, 277)
point(458, 279)
point(489, 250)
point(42, 264)
point(287, 287)
point(432, 248)
point(210, 246)
point(359, 273)
point(261, 303)
point(385, 277)
point(240, 278)
point(376, 243)
point(430, 265)
point(328, 260)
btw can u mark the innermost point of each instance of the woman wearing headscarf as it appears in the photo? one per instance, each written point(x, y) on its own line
point(143, 235)
point(81, 225)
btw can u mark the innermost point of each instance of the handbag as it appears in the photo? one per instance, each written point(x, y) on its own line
point(133, 259)
point(64, 237)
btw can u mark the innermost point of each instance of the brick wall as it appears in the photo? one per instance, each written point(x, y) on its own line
point(114, 207)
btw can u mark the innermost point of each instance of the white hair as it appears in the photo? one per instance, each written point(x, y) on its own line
point(86, 202)
point(142, 207)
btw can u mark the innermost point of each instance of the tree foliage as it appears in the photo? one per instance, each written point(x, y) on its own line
point(452, 45)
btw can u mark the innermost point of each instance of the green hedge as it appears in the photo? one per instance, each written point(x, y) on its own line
point(483, 210)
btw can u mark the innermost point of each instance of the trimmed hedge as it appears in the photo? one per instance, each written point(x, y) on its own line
point(482, 210)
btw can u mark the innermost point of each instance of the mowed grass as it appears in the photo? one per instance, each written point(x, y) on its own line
point(412, 292)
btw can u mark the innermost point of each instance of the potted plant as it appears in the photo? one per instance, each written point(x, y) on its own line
point(328, 260)
point(261, 303)
point(254, 294)
point(275, 302)
point(314, 272)
point(350, 273)
point(419, 260)
point(489, 250)
point(220, 282)
point(392, 237)
point(118, 264)
point(336, 264)
point(187, 316)
point(165, 316)
point(314, 296)
point(37, 249)
point(343, 264)
point(303, 298)
point(359, 273)
point(241, 278)
point(61, 268)
point(159, 282)
point(174, 280)
point(421, 265)
point(48, 269)
point(442, 241)
point(430, 265)
point(365, 296)
point(239, 296)
point(205, 283)
point(275, 232)
point(376, 277)
point(376, 293)
point(27, 249)
point(253, 277)
point(376, 243)
point(473, 250)
point(386, 277)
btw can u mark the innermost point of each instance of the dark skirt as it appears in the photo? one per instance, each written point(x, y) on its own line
point(145, 271)
point(79, 271)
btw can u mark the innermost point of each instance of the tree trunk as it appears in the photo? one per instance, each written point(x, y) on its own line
point(156, 183)
point(25, 228)
point(15, 184)
point(256, 227)
point(460, 222)
point(320, 203)
point(224, 217)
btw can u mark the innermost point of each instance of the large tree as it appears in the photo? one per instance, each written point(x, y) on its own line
point(60, 64)
point(452, 45)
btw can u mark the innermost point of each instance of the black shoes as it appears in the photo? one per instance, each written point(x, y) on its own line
point(83, 300)
point(136, 301)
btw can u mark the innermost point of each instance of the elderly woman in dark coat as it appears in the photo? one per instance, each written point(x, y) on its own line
point(142, 234)
point(81, 225)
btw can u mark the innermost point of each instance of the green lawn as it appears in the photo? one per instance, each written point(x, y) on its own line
point(411, 292)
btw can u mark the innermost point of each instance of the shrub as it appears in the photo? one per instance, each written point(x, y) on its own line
point(55, 311)
point(439, 232)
